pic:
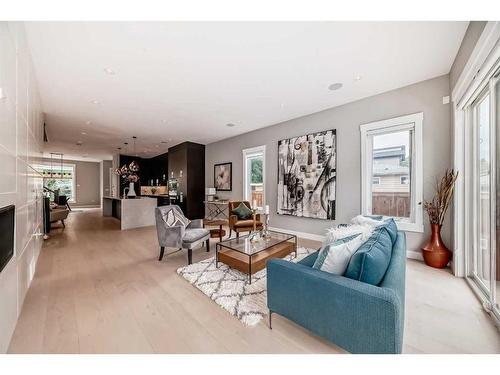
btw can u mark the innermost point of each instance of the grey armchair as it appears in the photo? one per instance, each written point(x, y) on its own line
point(174, 230)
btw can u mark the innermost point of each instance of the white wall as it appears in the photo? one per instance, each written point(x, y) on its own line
point(21, 140)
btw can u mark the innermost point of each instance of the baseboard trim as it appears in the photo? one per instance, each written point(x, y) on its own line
point(307, 236)
point(411, 254)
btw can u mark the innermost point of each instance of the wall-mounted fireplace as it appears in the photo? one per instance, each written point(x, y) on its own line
point(6, 235)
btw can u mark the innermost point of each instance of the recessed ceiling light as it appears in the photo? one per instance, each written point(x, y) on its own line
point(109, 71)
point(88, 122)
point(335, 86)
point(358, 78)
point(84, 133)
point(95, 101)
point(230, 125)
point(79, 143)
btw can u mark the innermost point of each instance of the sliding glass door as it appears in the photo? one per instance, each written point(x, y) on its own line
point(484, 257)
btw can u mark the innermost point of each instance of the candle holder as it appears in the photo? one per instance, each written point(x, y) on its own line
point(266, 234)
point(254, 236)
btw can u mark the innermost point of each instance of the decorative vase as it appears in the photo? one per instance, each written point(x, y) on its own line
point(131, 190)
point(435, 252)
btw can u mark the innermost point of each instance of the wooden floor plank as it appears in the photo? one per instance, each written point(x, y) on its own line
point(101, 290)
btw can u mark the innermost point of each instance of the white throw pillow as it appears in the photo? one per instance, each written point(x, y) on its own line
point(338, 257)
point(337, 233)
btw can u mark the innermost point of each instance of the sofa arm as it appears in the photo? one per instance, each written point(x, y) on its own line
point(232, 220)
point(359, 317)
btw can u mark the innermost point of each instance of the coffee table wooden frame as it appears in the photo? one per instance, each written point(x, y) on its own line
point(252, 263)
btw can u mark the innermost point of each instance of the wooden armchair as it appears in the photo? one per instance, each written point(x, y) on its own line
point(241, 225)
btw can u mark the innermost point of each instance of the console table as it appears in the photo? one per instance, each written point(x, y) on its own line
point(216, 210)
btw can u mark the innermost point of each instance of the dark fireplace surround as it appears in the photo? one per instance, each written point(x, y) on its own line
point(7, 220)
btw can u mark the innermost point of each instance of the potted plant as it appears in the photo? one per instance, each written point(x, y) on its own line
point(435, 253)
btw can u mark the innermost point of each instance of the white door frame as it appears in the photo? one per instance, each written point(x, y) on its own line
point(480, 73)
point(473, 79)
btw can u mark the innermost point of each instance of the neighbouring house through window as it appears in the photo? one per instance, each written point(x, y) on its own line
point(392, 170)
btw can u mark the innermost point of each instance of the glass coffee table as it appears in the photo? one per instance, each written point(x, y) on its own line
point(251, 256)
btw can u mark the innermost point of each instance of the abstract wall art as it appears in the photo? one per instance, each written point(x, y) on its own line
point(307, 175)
point(223, 176)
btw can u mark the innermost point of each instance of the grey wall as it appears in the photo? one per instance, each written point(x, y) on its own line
point(106, 188)
point(423, 97)
point(469, 41)
point(88, 183)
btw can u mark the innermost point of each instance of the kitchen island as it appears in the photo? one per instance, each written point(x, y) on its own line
point(132, 213)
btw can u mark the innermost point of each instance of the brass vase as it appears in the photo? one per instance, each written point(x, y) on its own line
point(434, 251)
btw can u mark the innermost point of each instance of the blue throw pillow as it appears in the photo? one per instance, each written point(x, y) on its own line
point(369, 264)
point(324, 250)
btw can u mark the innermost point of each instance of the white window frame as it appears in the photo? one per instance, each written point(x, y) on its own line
point(249, 152)
point(414, 122)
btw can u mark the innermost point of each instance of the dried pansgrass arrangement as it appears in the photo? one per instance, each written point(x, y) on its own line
point(436, 209)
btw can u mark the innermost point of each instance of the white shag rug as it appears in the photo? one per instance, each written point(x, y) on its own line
point(230, 289)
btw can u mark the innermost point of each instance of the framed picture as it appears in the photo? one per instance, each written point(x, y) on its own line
point(307, 173)
point(223, 176)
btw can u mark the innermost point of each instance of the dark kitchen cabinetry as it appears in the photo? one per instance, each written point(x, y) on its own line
point(189, 158)
point(149, 169)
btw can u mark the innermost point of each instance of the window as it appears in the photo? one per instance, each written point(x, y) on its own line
point(391, 164)
point(62, 178)
point(253, 176)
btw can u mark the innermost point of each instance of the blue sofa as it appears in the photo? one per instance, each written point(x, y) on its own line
point(359, 317)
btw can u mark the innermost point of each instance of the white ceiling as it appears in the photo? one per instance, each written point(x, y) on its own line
point(187, 80)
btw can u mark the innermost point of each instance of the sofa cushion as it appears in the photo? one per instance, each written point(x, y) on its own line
point(338, 256)
point(392, 228)
point(370, 262)
point(242, 211)
point(193, 235)
point(246, 224)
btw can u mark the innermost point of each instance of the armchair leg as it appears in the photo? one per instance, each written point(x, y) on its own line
point(237, 234)
point(64, 225)
point(190, 256)
point(162, 250)
point(208, 245)
point(270, 319)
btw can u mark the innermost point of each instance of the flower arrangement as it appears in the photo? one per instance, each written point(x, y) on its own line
point(437, 207)
point(129, 173)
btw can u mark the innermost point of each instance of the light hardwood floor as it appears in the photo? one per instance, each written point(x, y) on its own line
point(101, 290)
